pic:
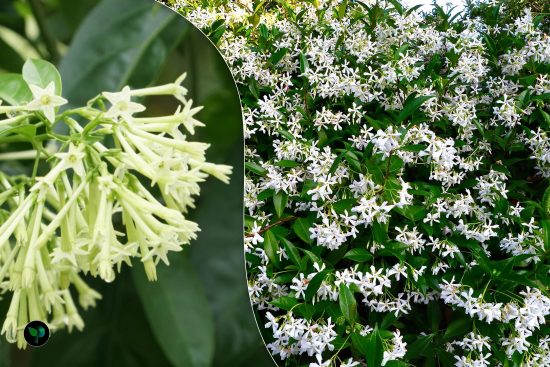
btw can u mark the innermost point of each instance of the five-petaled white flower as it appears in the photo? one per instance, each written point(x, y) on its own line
point(122, 105)
point(45, 100)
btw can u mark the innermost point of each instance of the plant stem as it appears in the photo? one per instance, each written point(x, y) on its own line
point(23, 154)
point(49, 41)
point(274, 224)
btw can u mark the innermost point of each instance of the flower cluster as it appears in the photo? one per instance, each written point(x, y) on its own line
point(396, 169)
point(94, 209)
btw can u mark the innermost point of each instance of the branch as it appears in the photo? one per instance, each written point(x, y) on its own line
point(274, 224)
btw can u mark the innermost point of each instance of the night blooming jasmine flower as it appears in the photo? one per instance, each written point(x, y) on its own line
point(121, 105)
point(45, 100)
point(97, 208)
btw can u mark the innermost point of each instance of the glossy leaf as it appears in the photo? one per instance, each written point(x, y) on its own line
point(301, 227)
point(279, 200)
point(411, 106)
point(41, 73)
point(348, 304)
point(14, 90)
point(120, 42)
point(178, 312)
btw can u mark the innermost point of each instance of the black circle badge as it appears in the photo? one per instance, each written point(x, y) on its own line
point(36, 333)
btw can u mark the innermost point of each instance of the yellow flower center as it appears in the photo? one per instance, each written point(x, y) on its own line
point(45, 100)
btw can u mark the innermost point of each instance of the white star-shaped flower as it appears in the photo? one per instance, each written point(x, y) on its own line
point(122, 105)
point(45, 100)
point(73, 158)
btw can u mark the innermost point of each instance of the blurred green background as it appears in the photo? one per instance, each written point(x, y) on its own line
point(198, 312)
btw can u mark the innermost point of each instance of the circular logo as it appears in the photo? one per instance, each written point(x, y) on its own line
point(36, 333)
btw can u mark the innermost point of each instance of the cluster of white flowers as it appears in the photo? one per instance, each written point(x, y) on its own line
point(296, 336)
point(58, 228)
point(397, 151)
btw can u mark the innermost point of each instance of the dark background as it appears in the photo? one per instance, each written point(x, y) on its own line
point(198, 312)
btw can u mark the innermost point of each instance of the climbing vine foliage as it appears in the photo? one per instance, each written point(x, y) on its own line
point(398, 164)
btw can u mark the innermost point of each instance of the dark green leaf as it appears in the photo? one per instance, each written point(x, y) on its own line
point(121, 42)
point(458, 327)
point(358, 255)
point(301, 227)
point(374, 349)
point(314, 285)
point(178, 311)
point(291, 251)
point(410, 107)
point(277, 56)
point(253, 88)
point(256, 168)
point(348, 304)
point(280, 200)
point(419, 347)
point(286, 303)
point(271, 247)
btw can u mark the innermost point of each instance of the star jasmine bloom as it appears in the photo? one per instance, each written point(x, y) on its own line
point(122, 105)
point(45, 100)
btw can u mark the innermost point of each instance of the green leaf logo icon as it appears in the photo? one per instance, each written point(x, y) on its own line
point(36, 334)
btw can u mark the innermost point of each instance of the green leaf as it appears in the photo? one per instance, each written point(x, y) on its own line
point(380, 232)
point(280, 200)
point(314, 284)
point(348, 304)
point(304, 64)
point(285, 303)
point(41, 73)
point(178, 312)
point(301, 227)
point(11, 60)
point(278, 56)
point(434, 314)
point(358, 255)
point(253, 88)
point(271, 248)
point(121, 42)
point(256, 168)
point(374, 349)
point(218, 28)
point(117, 333)
point(411, 106)
point(546, 233)
point(342, 9)
point(546, 203)
point(287, 163)
point(413, 148)
point(314, 258)
point(419, 346)
point(32, 331)
point(388, 320)
point(14, 90)
point(291, 251)
point(458, 327)
point(305, 310)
